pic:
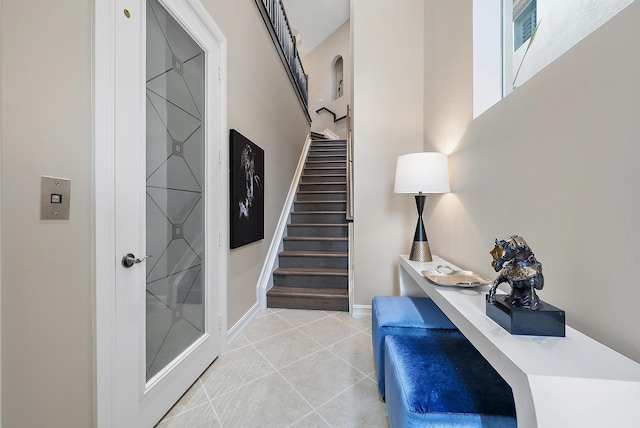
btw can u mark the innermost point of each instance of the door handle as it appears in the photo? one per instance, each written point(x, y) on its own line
point(129, 260)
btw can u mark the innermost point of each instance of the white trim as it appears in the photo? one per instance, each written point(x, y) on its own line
point(330, 134)
point(241, 325)
point(103, 215)
point(102, 211)
point(1, 114)
point(265, 282)
point(361, 311)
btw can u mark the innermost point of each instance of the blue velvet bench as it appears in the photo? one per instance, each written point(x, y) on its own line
point(443, 381)
point(404, 316)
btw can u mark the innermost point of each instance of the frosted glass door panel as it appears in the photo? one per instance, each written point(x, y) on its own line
point(175, 190)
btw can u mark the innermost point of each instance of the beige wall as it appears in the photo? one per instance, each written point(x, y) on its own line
point(318, 65)
point(448, 84)
point(46, 266)
point(557, 163)
point(388, 115)
point(262, 106)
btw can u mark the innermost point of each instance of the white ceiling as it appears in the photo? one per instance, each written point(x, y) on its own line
point(315, 20)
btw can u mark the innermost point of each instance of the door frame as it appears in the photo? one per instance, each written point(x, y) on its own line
point(105, 261)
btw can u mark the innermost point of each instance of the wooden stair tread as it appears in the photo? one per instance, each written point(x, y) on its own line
point(323, 175)
point(311, 271)
point(327, 150)
point(328, 201)
point(319, 212)
point(321, 191)
point(306, 253)
point(318, 224)
point(337, 293)
point(315, 238)
point(324, 183)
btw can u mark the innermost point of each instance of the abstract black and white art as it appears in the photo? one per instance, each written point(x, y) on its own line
point(247, 190)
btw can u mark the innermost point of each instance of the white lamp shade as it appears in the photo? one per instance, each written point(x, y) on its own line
point(426, 172)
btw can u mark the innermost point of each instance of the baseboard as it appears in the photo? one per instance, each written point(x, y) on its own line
point(265, 282)
point(361, 311)
point(237, 329)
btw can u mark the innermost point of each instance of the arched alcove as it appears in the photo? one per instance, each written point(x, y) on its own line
point(337, 78)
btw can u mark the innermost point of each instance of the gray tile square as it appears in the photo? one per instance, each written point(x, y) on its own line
point(359, 323)
point(359, 406)
point(233, 370)
point(194, 397)
point(312, 420)
point(357, 350)
point(286, 348)
point(328, 331)
point(266, 326)
point(268, 402)
point(202, 416)
point(299, 317)
point(321, 376)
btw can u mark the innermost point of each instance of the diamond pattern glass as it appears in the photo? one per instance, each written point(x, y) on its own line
point(175, 186)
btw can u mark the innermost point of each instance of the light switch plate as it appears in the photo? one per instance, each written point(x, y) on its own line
point(55, 196)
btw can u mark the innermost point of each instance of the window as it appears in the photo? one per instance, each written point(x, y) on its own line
point(524, 22)
point(502, 29)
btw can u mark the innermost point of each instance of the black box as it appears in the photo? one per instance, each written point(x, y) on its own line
point(546, 321)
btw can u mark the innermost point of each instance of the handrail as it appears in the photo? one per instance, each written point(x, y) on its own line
point(349, 167)
point(277, 23)
point(334, 115)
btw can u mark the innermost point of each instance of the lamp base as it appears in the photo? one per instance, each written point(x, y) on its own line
point(420, 252)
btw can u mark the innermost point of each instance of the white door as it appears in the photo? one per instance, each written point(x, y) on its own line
point(167, 211)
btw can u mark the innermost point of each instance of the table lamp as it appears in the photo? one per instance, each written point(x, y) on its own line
point(425, 172)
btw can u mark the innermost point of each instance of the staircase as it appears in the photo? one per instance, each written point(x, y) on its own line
point(313, 265)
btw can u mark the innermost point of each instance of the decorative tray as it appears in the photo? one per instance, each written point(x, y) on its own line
point(448, 277)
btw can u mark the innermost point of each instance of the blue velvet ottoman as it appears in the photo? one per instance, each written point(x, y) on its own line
point(440, 381)
point(401, 316)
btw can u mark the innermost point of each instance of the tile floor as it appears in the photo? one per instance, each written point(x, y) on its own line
point(290, 368)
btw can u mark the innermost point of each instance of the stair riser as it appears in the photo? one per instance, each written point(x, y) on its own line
point(295, 230)
point(311, 281)
point(323, 218)
point(314, 151)
point(341, 304)
point(313, 245)
point(323, 178)
point(323, 187)
point(323, 143)
point(323, 170)
point(329, 196)
point(326, 163)
point(313, 262)
point(327, 158)
point(323, 152)
point(328, 146)
point(319, 206)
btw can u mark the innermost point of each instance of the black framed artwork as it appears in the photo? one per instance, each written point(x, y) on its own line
point(247, 190)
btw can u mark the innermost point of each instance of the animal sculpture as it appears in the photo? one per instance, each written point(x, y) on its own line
point(516, 265)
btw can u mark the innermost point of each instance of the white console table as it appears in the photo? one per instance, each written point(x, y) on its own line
point(571, 381)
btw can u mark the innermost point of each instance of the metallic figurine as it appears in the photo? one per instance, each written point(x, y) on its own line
point(515, 263)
